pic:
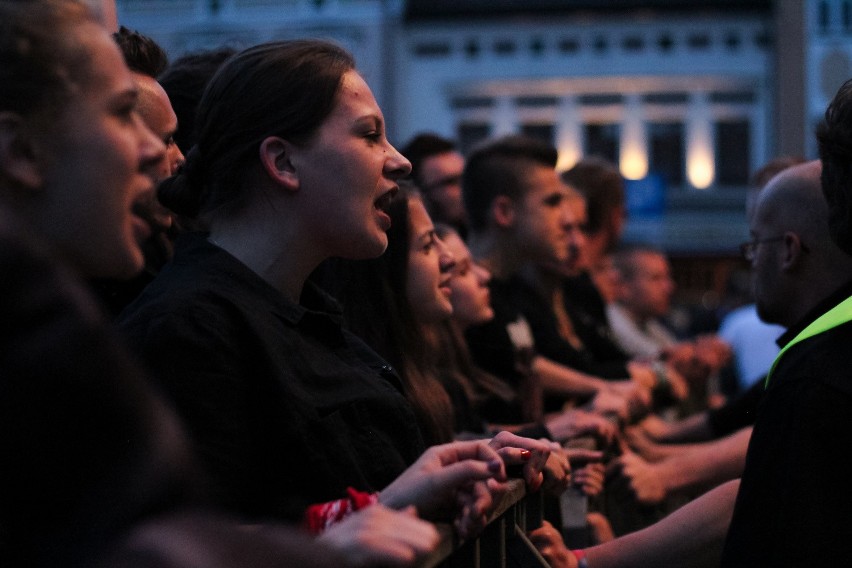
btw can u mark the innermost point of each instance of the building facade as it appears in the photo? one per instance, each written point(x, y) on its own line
point(687, 97)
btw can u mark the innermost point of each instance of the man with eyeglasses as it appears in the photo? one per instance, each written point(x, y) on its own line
point(436, 169)
point(794, 500)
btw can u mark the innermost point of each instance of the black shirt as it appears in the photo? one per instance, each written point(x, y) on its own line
point(516, 292)
point(285, 406)
point(587, 309)
point(737, 413)
point(794, 502)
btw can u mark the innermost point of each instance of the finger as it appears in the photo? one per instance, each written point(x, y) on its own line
point(482, 500)
point(533, 479)
point(580, 456)
point(514, 455)
point(457, 475)
point(466, 450)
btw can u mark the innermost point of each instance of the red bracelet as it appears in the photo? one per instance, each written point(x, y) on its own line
point(580, 555)
point(318, 518)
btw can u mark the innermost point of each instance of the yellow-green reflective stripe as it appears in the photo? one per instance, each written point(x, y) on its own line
point(838, 315)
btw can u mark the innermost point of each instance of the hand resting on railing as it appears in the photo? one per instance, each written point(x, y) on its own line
point(447, 483)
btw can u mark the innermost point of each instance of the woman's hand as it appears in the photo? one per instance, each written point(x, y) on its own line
point(530, 454)
point(443, 476)
point(377, 535)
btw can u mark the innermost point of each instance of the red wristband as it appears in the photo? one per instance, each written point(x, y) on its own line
point(318, 518)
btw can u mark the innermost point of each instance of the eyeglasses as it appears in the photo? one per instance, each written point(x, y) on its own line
point(747, 249)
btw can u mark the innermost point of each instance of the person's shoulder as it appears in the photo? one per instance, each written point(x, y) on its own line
point(817, 363)
point(834, 361)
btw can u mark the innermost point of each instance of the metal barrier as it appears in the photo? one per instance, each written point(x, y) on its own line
point(503, 543)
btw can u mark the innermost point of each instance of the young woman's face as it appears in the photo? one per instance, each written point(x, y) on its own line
point(429, 267)
point(468, 286)
point(349, 172)
point(99, 162)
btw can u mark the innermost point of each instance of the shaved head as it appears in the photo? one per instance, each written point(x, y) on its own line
point(795, 262)
point(793, 201)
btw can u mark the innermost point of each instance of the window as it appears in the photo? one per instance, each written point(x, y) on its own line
point(667, 151)
point(733, 152)
point(543, 132)
point(602, 140)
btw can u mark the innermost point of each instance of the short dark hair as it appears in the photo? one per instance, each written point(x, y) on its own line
point(184, 82)
point(283, 88)
point(601, 184)
point(834, 136)
point(425, 146)
point(499, 167)
point(141, 53)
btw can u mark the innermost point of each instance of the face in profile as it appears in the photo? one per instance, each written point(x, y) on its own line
point(545, 222)
point(649, 290)
point(469, 292)
point(102, 163)
point(576, 229)
point(157, 113)
point(441, 178)
point(349, 172)
point(429, 267)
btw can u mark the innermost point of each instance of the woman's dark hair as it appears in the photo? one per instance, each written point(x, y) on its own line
point(285, 88)
point(376, 308)
point(40, 57)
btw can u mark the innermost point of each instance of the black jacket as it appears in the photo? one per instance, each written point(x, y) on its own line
point(285, 407)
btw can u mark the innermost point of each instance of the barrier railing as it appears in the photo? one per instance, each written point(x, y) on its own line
point(503, 543)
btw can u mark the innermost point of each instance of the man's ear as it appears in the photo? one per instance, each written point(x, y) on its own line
point(18, 153)
point(793, 250)
point(503, 211)
point(276, 157)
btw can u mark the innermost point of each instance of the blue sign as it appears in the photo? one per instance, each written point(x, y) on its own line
point(646, 197)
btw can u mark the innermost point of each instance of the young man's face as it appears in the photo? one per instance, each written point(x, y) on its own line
point(441, 184)
point(648, 292)
point(545, 226)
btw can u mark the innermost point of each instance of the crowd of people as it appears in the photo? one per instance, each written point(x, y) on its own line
point(243, 329)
